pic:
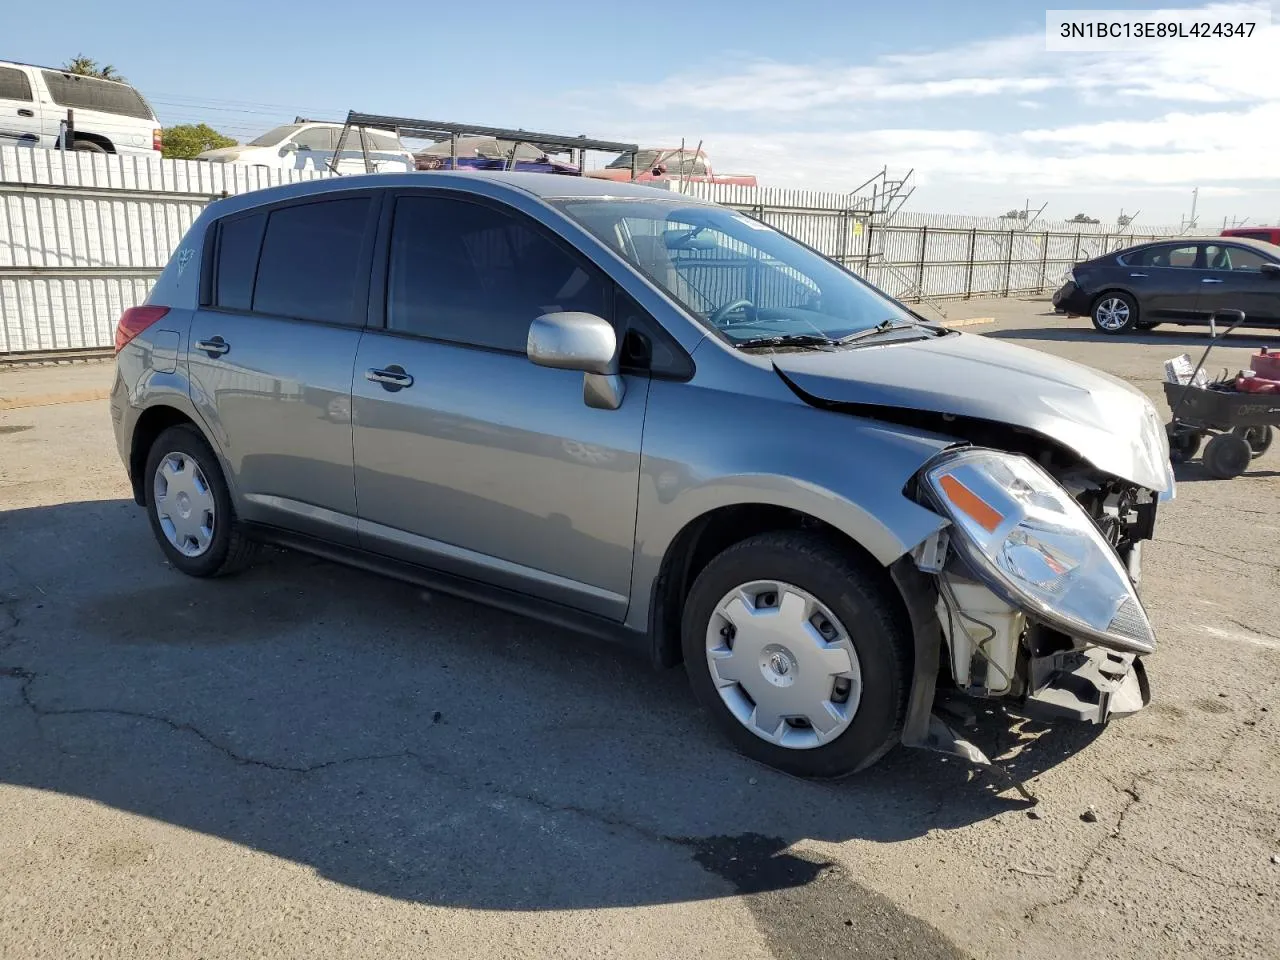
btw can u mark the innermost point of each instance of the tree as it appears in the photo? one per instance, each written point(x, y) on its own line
point(87, 67)
point(1081, 218)
point(188, 140)
point(1014, 215)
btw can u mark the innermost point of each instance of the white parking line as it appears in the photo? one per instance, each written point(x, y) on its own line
point(1253, 638)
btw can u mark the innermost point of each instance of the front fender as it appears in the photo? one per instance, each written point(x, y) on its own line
point(730, 450)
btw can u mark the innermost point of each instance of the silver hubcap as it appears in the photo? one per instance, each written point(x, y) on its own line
point(184, 504)
point(1112, 314)
point(783, 664)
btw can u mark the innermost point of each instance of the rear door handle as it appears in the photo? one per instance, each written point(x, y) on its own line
point(1210, 280)
point(392, 378)
point(1137, 274)
point(26, 113)
point(215, 347)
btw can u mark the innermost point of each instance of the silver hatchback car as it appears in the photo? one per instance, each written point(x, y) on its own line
point(655, 419)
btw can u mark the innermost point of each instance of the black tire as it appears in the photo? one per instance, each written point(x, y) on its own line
point(88, 146)
point(1184, 444)
point(230, 550)
point(1105, 303)
point(1258, 438)
point(858, 596)
point(1227, 456)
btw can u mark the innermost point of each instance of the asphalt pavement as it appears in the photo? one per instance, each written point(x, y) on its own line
point(306, 761)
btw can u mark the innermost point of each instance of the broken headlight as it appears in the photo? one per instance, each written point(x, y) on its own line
point(1031, 543)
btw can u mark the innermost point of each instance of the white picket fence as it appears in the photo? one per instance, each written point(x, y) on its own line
point(83, 236)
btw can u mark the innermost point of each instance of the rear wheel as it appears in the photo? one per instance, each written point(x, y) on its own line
point(1115, 312)
point(189, 506)
point(1258, 438)
point(1227, 456)
point(795, 651)
point(88, 146)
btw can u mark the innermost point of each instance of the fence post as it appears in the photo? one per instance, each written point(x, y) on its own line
point(1075, 254)
point(924, 243)
point(968, 278)
point(1044, 261)
point(1008, 265)
point(866, 268)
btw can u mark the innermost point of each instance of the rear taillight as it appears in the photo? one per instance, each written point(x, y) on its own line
point(134, 320)
point(157, 139)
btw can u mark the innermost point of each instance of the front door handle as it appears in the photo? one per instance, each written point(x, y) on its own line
point(1137, 274)
point(392, 378)
point(215, 347)
point(23, 112)
point(1210, 280)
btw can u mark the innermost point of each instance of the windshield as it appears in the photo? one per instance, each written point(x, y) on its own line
point(272, 137)
point(738, 276)
point(645, 160)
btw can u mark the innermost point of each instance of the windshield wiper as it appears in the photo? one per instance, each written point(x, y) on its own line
point(787, 340)
point(884, 326)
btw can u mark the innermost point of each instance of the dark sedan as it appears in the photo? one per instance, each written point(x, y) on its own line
point(1175, 281)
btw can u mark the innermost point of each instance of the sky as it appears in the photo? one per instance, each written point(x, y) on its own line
point(804, 94)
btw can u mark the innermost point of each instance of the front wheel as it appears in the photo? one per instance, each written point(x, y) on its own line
point(189, 506)
point(794, 649)
point(1115, 312)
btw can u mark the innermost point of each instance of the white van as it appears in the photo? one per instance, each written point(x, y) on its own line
point(311, 145)
point(108, 117)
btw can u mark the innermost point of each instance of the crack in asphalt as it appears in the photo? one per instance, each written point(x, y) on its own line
point(1251, 562)
point(427, 767)
point(1252, 628)
point(1133, 797)
point(801, 909)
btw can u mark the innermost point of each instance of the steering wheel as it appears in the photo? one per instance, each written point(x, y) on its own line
point(718, 315)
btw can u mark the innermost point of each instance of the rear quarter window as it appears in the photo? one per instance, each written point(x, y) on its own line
point(90, 93)
point(310, 262)
point(239, 243)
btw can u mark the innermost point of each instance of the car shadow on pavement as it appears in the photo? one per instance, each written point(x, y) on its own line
point(410, 744)
point(1189, 338)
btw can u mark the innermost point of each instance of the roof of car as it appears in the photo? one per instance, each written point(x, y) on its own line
point(1261, 245)
point(546, 186)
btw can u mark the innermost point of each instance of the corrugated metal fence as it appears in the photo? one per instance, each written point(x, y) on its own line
point(83, 236)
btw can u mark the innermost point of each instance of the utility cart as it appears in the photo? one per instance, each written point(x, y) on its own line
point(1239, 423)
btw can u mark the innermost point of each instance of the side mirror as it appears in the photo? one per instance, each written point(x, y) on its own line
point(1271, 269)
point(580, 341)
point(288, 148)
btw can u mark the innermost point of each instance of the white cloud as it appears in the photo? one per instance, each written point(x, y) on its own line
point(1215, 116)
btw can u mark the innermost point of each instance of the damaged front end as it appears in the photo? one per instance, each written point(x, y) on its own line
point(1031, 589)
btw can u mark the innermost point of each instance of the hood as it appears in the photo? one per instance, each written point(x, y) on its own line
point(224, 154)
point(1106, 422)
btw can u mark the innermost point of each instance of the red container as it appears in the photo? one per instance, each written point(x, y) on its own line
point(1266, 364)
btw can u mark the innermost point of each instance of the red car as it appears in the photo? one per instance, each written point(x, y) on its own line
point(1265, 234)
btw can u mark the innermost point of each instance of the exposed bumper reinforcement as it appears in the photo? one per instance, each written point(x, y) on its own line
point(1092, 685)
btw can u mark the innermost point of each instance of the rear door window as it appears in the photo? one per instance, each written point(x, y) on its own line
point(90, 93)
point(1169, 256)
point(14, 85)
point(311, 259)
